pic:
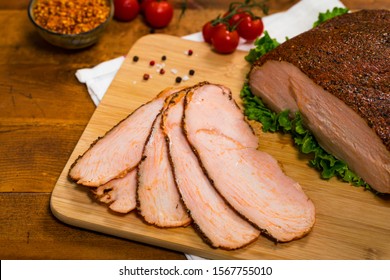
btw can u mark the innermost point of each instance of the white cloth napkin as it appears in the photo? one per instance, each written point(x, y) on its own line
point(99, 78)
point(299, 18)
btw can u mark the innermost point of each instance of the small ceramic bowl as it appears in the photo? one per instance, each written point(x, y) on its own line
point(71, 41)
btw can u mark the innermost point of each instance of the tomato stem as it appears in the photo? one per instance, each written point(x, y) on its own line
point(240, 7)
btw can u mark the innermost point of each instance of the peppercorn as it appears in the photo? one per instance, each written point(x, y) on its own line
point(191, 72)
point(146, 76)
point(178, 80)
point(135, 58)
point(163, 58)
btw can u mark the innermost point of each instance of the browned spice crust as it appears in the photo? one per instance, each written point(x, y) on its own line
point(348, 56)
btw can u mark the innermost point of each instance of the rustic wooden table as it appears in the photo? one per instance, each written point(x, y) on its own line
point(44, 110)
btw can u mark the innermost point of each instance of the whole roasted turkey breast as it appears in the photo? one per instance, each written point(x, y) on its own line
point(337, 76)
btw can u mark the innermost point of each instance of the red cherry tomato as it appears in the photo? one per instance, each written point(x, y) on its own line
point(236, 18)
point(225, 41)
point(144, 3)
point(126, 10)
point(158, 14)
point(208, 30)
point(249, 28)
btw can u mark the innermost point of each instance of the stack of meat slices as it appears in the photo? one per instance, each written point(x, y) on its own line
point(189, 156)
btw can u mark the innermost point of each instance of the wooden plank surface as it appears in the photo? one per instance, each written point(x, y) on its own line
point(350, 223)
point(56, 240)
point(44, 110)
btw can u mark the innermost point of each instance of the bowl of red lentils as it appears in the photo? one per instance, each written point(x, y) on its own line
point(71, 24)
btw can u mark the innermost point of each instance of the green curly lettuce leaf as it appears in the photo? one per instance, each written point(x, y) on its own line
point(322, 17)
point(262, 45)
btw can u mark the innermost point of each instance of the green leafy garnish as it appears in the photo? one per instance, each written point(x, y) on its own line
point(255, 109)
point(262, 45)
point(322, 17)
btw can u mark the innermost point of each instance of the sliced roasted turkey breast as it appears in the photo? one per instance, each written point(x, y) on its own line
point(251, 181)
point(120, 149)
point(119, 194)
point(216, 221)
point(159, 201)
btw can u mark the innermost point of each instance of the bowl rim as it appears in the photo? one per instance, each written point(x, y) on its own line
point(32, 19)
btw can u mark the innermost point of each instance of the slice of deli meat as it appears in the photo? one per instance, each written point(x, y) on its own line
point(216, 221)
point(120, 149)
point(254, 184)
point(120, 193)
point(230, 121)
point(338, 76)
point(159, 201)
point(251, 181)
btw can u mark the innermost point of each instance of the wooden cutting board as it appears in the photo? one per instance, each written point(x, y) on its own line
point(350, 223)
